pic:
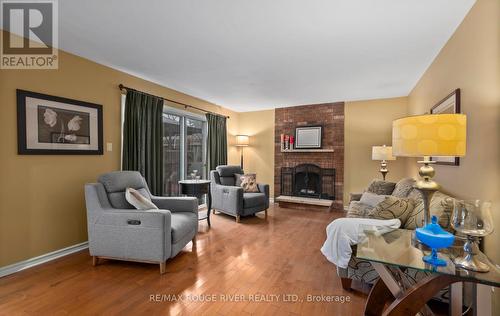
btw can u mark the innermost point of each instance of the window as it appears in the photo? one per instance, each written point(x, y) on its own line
point(184, 139)
point(184, 149)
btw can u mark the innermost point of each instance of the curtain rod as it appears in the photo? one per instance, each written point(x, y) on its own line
point(122, 87)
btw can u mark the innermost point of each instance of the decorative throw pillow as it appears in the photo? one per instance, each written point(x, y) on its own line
point(358, 209)
point(441, 205)
point(381, 187)
point(403, 187)
point(237, 179)
point(393, 207)
point(249, 183)
point(371, 199)
point(139, 201)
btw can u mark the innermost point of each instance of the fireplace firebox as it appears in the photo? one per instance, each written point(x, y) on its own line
point(308, 180)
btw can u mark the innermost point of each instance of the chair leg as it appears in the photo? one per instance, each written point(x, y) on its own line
point(265, 213)
point(95, 260)
point(346, 283)
point(194, 241)
point(163, 267)
point(213, 212)
point(238, 218)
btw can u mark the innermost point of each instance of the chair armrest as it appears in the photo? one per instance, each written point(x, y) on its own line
point(227, 198)
point(159, 219)
point(355, 196)
point(176, 204)
point(132, 235)
point(264, 188)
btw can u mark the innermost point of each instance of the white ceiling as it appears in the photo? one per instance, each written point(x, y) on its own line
point(257, 54)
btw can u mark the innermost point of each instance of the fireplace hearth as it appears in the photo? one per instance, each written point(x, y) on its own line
point(308, 180)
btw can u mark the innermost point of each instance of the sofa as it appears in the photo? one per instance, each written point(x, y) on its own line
point(230, 199)
point(119, 231)
point(441, 205)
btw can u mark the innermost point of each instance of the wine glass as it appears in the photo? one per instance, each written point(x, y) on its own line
point(473, 219)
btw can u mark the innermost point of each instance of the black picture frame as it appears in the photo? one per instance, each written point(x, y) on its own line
point(22, 128)
point(312, 127)
point(449, 104)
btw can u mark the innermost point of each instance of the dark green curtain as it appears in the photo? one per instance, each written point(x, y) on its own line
point(216, 141)
point(143, 138)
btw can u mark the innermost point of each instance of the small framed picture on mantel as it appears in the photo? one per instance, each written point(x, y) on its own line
point(449, 105)
point(50, 125)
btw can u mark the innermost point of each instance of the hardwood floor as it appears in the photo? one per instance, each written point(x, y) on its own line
point(258, 257)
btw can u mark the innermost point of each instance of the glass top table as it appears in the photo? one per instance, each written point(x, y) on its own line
point(399, 248)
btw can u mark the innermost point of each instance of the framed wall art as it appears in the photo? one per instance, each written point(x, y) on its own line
point(50, 125)
point(308, 137)
point(449, 105)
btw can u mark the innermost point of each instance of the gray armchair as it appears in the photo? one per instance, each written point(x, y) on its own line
point(119, 231)
point(230, 199)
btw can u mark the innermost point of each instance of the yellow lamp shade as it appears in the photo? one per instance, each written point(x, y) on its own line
point(429, 135)
point(382, 153)
point(242, 140)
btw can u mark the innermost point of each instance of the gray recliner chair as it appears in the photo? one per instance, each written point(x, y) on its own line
point(230, 199)
point(119, 231)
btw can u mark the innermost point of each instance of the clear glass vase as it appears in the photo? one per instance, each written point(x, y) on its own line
point(472, 218)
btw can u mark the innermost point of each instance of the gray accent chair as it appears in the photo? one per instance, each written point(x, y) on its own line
point(230, 199)
point(119, 231)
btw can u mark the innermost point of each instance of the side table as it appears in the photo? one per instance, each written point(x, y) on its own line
point(395, 251)
point(197, 188)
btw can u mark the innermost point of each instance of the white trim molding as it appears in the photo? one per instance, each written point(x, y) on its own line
point(29, 263)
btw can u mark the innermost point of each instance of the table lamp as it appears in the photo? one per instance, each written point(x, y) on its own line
point(242, 141)
point(382, 153)
point(425, 136)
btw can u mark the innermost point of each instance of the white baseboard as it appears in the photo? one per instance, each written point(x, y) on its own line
point(271, 200)
point(22, 265)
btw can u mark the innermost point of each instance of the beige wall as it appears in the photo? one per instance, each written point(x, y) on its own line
point(41, 197)
point(471, 61)
point(369, 123)
point(259, 156)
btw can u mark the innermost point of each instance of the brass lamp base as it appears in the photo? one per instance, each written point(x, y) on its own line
point(383, 169)
point(427, 187)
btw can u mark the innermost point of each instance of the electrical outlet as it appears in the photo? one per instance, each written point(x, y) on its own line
point(109, 146)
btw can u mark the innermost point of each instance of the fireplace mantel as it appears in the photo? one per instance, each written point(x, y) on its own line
point(307, 150)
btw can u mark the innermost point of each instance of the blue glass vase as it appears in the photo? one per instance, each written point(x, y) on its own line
point(435, 238)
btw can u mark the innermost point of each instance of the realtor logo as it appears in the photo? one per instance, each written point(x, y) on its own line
point(29, 40)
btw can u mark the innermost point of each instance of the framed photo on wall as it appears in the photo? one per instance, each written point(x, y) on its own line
point(449, 105)
point(50, 125)
point(308, 137)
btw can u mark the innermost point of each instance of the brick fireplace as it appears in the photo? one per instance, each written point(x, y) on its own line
point(331, 117)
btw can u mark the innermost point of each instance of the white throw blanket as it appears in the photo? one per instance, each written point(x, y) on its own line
point(342, 233)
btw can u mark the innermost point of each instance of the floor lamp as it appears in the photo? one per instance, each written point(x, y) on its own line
point(429, 135)
point(242, 141)
point(382, 153)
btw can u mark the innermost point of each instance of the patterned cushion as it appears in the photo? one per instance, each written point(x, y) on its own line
point(441, 206)
point(393, 207)
point(358, 209)
point(403, 187)
point(249, 183)
point(381, 187)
